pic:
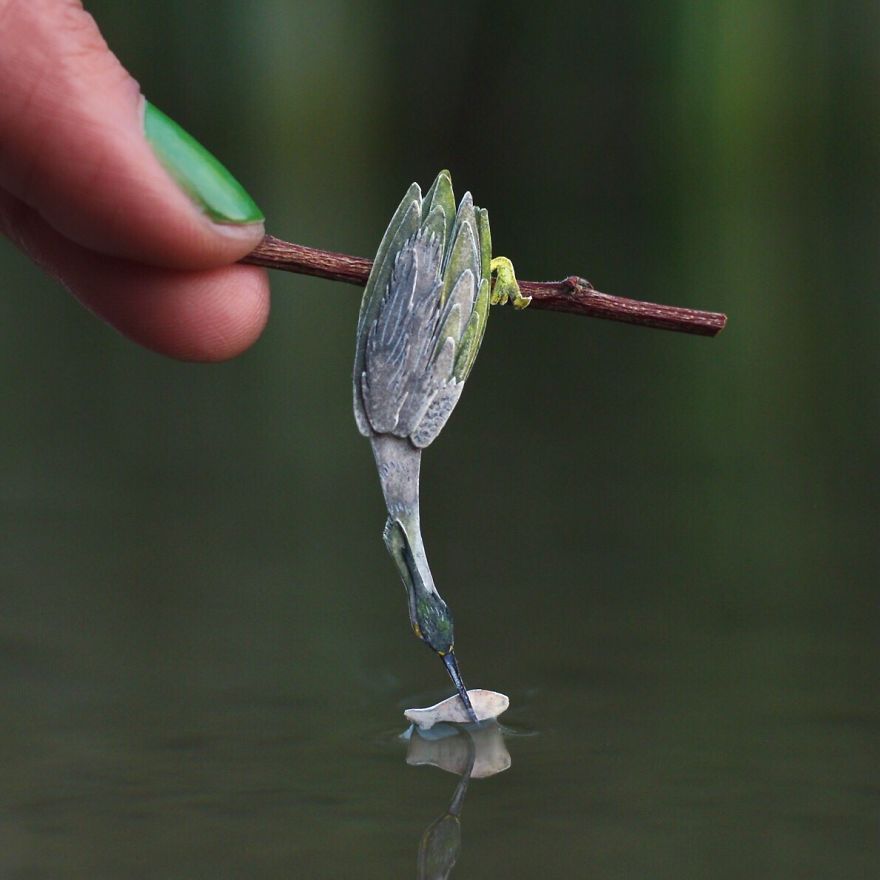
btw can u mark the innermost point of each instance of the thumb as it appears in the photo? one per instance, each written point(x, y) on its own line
point(82, 147)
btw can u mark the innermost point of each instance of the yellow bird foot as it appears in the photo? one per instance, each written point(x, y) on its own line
point(504, 284)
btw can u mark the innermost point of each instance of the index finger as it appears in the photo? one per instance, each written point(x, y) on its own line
point(74, 147)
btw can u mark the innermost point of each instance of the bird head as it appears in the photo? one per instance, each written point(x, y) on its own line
point(429, 615)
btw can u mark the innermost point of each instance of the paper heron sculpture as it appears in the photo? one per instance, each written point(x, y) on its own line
point(422, 319)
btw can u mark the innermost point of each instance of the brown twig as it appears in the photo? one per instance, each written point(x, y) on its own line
point(572, 294)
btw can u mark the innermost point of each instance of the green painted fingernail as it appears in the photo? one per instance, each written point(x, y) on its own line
point(199, 174)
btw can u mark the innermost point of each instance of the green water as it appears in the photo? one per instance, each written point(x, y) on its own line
point(204, 651)
point(699, 746)
point(664, 549)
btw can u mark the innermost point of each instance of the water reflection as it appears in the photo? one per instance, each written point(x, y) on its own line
point(472, 752)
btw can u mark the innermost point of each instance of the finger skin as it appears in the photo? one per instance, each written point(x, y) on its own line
point(72, 146)
point(196, 315)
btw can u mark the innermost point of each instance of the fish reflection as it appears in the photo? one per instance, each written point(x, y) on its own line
point(472, 752)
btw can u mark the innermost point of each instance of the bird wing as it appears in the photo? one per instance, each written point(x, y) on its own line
point(404, 223)
point(407, 385)
point(422, 315)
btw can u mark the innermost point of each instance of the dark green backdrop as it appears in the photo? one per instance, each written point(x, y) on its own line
point(663, 547)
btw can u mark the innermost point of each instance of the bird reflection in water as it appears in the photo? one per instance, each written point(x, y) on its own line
point(471, 752)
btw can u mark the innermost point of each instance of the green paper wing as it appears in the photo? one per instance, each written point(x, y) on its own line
point(423, 315)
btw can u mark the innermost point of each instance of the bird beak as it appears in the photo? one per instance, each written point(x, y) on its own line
point(451, 665)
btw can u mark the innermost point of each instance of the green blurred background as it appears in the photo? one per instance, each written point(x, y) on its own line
point(664, 548)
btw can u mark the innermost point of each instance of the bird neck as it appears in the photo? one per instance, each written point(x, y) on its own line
point(404, 542)
point(398, 463)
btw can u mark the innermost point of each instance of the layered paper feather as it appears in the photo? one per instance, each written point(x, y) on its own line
point(423, 314)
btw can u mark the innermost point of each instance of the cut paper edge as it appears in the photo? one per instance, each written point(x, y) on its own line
point(488, 705)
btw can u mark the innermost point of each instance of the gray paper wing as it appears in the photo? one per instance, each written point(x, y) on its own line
point(408, 368)
point(403, 224)
point(422, 316)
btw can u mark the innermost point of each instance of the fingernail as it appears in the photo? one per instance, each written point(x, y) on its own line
point(198, 173)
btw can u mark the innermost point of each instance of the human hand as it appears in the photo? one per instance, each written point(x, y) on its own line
point(108, 195)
